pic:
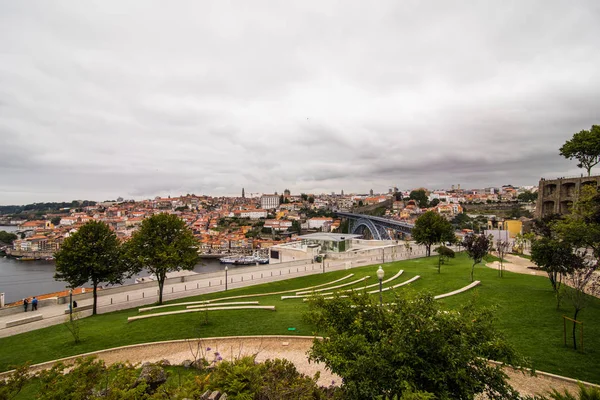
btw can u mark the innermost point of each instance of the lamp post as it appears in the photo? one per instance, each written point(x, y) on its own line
point(380, 274)
point(226, 277)
point(71, 305)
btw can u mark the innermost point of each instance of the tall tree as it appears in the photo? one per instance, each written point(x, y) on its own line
point(581, 231)
point(410, 345)
point(162, 244)
point(92, 254)
point(585, 147)
point(431, 228)
point(477, 246)
point(557, 259)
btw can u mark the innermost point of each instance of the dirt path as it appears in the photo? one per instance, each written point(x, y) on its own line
point(291, 348)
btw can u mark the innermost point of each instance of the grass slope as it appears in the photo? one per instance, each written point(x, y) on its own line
point(525, 305)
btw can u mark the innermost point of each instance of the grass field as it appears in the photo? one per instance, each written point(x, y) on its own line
point(525, 308)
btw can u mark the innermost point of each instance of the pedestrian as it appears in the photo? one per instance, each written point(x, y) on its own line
point(34, 302)
point(25, 304)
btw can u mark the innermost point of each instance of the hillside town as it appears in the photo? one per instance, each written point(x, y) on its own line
point(237, 225)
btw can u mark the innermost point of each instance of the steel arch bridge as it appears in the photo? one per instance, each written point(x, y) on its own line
point(378, 226)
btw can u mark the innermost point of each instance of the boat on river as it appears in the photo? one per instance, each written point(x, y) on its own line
point(244, 260)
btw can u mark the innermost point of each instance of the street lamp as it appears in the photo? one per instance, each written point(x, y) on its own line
point(226, 277)
point(380, 274)
point(71, 305)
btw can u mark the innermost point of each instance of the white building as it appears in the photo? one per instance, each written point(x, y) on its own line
point(269, 201)
point(319, 222)
point(253, 214)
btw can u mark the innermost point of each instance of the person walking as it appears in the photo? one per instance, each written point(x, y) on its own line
point(25, 304)
point(34, 302)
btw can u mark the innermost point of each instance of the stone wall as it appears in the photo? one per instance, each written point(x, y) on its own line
point(556, 196)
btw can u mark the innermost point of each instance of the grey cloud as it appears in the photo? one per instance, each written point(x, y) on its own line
point(108, 99)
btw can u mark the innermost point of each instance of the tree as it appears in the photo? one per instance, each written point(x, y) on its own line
point(585, 147)
point(502, 247)
point(556, 258)
point(7, 237)
point(55, 221)
point(581, 231)
point(410, 345)
point(527, 196)
point(462, 221)
point(431, 228)
point(477, 246)
point(420, 197)
point(14, 383)
point(444, 255)
point(434, 202)
point(296, 227)
point(311, 200)
point(162, 244)
point(584, 282)
point(92, 254)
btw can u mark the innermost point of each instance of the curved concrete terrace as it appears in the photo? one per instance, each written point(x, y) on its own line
point(271, 308)
point(244, 296)
point(458, 291)
point(408, 282)
point(232, 303)
point(364, 278)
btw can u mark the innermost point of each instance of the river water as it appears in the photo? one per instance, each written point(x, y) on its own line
point(20, 279)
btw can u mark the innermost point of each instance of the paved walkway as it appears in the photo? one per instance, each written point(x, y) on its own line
point(109, 300)
point(520, 265)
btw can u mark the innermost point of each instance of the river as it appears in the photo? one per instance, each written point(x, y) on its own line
point(19, 279)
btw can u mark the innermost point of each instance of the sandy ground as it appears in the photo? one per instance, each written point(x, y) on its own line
point(291, 348)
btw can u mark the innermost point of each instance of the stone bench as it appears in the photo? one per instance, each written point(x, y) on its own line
point(26, 320)
point(461, 290)
point(80, 308)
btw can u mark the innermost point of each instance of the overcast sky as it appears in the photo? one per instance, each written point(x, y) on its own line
point(143, 98)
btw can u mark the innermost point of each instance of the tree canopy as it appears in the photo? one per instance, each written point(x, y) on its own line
point(162, 244)
point(431, 228)
point(585, 147)
point(477, 246)
point(410, 346)
point(556, 258)
point(420, 197)
point(92, 254)
point(444, 255)
point(527, 196)
point(580, 231)
point(7, 237)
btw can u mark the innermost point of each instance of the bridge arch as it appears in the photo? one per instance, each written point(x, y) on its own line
point(378, 233)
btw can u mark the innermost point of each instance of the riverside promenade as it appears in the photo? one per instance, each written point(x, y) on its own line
point(137, 295)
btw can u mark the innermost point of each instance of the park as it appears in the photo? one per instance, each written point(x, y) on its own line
point(522, 304)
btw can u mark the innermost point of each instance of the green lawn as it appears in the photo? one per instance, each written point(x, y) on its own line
point(525, 308)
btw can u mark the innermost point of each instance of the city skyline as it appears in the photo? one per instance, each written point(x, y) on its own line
point(108, 99)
